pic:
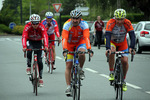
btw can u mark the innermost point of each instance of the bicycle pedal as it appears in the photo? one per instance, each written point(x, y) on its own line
point(111, 83)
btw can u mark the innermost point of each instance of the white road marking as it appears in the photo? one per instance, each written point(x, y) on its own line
point(17, 39)
point(147, 92)
point(8, 39)
point(106, 76)
point(58, 57)
point(133, 86)
point(91, 70)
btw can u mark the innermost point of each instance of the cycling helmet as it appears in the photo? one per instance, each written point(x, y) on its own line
point(35, 18)
point(120, 13)
point(49, 15)
point(75, 13)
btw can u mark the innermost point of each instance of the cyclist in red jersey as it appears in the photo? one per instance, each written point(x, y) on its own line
point(32, 36)
point(116, 31)
point(52, 28)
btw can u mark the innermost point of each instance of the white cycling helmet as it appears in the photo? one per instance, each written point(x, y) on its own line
point(75, 13)
point(34, 18)
point(49, 15)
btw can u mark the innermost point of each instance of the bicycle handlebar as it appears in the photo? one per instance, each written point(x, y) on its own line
point(78, 52)
point(121, 52)
point(32, 50)
point(54, 40)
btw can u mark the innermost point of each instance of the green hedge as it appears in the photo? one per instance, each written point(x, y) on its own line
point(135, 17)
point(5, 29)
point(18, 30)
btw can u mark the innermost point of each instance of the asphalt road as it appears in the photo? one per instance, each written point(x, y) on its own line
point(15, 85)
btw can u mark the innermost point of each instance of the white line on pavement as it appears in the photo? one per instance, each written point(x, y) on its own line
point(106, 76)
point(147, 92)
point(58, 57)
point(91, 70)
point(8, 39)
point(133, 86)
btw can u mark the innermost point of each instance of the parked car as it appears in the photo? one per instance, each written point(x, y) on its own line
point(93, 39)
point(90, 23)
point(142, 33)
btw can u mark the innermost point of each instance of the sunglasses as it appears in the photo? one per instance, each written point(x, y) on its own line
point(35, 23)
point(75, 17)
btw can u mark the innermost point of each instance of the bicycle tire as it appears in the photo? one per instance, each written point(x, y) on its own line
point(51, 61)
point(36, 80)
point(76, 95)
point(118, 82)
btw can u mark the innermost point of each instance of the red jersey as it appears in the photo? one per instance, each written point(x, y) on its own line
point(29, 33)
point(53, 28)
point(99, 25)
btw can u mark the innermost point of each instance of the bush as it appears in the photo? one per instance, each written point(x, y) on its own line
point(18, 30)
point(5, 29)
point(135, 17)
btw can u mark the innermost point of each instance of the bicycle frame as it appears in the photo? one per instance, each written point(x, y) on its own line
point(75, 75)
point(50, 57)
point(34, 76)
point(118, 74)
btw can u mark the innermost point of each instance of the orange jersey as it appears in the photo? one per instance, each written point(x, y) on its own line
point(73, 35)
point(118, 34)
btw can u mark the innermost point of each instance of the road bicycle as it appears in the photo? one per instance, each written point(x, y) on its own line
point(34, 76)
point(75, 74)
point(50, 57)
point(118, 74)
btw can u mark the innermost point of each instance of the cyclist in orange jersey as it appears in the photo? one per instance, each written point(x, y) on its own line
point(116, 31)
point(75, 34)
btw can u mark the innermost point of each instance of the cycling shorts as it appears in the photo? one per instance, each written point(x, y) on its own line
point(70, 56)
point(121, 47)
point(52, 37)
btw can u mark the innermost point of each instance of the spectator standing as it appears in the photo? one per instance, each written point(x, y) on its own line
point(99, 25)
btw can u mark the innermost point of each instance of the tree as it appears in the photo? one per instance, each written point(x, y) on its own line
point(143, 5)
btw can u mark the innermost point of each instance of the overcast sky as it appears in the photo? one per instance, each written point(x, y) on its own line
point(1, 4)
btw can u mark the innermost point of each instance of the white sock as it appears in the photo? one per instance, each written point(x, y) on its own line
point(68, 86)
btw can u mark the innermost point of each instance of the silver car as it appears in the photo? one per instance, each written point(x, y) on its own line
point(142, 33)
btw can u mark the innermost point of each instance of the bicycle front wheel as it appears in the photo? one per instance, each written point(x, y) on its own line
point(51, 61)
point(35, 85)
point(76, 89)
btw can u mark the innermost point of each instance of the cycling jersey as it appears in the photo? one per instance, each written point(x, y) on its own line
point(29, 33)
point(116, 34)
point(72, 35)
point(51, 27)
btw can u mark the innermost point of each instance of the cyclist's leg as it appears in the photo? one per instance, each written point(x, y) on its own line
point(38, 45)
point(69, 63)
point(52, 37)
point(125, 65)
point(124, 61)
point(112, 57)
point(112, 62)
point(81, 47)
point(29, 56)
